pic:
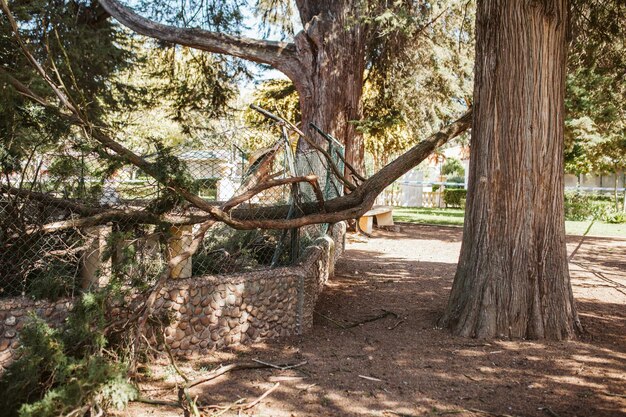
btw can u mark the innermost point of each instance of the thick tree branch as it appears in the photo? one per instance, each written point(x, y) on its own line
point(280, 55)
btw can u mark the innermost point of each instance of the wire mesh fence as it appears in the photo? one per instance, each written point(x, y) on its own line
point(72, 218)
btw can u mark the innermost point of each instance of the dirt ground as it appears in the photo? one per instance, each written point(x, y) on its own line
point(406, 366)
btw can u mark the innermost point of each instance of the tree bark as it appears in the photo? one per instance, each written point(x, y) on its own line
point(512, 279)
point(331, 50)
point(326, 62)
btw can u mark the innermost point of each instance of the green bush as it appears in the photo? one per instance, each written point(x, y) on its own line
point(580, 207)
point(60, 371)
point(453, 197)
point(616, 217)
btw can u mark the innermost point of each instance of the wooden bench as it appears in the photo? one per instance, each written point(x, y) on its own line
point(383, 214)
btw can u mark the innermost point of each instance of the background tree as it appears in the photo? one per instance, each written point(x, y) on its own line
point(512, 279)
point(596, 89)
point(326, 60)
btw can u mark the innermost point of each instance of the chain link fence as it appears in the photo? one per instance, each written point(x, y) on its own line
point(55, 238)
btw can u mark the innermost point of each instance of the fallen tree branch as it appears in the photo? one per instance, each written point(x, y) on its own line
point(151, 401)
point(258, 400)
point(347, 326)
point(281, 367)
point(224, 370)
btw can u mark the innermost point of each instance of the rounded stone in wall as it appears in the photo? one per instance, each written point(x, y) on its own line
point(184, 345)
point(179, 334)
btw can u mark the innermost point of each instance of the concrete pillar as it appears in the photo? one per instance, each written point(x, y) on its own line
point(179, 243)
point(94, 272)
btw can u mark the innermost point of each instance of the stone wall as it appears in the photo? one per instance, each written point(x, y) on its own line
point(15, 312)
point(209, 312)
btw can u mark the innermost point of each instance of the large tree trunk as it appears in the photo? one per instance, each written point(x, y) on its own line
point(512, 279)
point(331, 50)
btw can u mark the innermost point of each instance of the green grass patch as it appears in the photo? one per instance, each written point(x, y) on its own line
point(422, 215)
point(454, 217)
point(597, 229)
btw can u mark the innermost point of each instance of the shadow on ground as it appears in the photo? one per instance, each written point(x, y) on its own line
point(405, 366)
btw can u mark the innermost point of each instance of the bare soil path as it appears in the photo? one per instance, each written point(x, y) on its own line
point(405, 366)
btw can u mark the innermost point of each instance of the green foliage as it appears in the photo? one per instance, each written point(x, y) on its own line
point(59, 371)
point(419, 71)
point(452, 166)
point(73, 40)
point(596, 89)
point(454, 197)
point(230, 250)
point(456, 180)
point(616, 217)
point(53, 281)
point(279, 97)
point(579, 206)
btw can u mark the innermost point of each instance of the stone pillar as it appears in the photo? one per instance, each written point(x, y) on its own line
point(179, 243)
